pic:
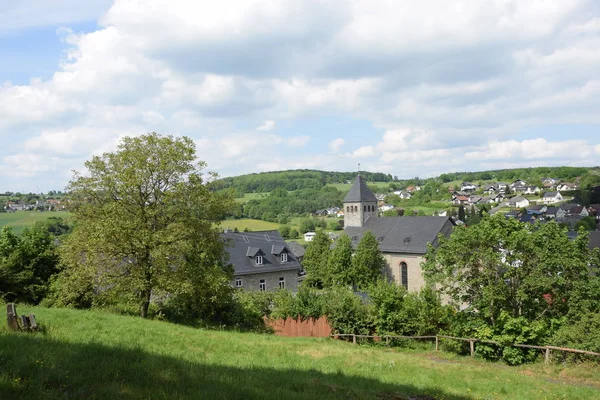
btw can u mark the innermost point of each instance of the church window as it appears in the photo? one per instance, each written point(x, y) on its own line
point(404, 274)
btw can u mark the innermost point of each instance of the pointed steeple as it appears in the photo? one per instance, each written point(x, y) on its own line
point(359, 192)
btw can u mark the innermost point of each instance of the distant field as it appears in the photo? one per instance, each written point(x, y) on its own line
point(85, 354)
point(251, 224)
point(22, 219)
point(251, 196)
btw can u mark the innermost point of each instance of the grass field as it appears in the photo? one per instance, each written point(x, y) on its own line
point(22, 219)
point(95, 355)
point(251, 196)
point(251, 224)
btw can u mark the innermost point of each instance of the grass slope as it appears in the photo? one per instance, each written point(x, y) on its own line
point(251, 224)
point(22, 219)
point(95, 355)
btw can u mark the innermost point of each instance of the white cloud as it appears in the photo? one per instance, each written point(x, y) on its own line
point(336, 144)
point(434, 78)
point(267, 126)
point(298, 141)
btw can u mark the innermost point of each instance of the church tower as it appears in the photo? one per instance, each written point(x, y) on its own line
point(359, 204)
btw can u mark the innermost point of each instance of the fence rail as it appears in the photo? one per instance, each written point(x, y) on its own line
point(472, 341)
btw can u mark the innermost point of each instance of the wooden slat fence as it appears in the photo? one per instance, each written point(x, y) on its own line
point(472, 341)
point(297, 327)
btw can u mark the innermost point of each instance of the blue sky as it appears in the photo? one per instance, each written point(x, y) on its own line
point(407, 88)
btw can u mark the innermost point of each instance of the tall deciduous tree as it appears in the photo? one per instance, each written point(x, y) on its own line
point(340, 262)
point(145, 220)
point(503, 265)
point(367, 263)
point(315, 260)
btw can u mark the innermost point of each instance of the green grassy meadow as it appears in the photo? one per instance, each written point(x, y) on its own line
point(96, 355)
point(22, 219)
point(251, 224)
point(251, 196)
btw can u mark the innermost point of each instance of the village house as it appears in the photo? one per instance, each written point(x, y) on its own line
point(309, 236)
point(518, 202)
point(402, 240)
point(262, 261)
point(532, 190)
point(468, 187)
point(564, 187)
point(551, 197)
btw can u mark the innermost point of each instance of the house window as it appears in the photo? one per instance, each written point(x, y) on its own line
point(284, 257)
point(258, 260)
point(262, 286)
point(404, 273)
point(282, 283)
point(238, 282)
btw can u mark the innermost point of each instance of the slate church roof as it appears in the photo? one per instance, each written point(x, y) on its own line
point(359, 192)
point(403, 234)
point(244, 246)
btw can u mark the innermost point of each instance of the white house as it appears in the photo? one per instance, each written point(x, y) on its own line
point(518, 202)
point(532, 190)
point(467, 187)
point(386, 207)
point(551, 197)
point(309, 236)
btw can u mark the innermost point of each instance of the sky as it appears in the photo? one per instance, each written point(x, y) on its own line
point(402, 87)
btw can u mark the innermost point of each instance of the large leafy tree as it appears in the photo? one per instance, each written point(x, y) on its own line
point(145, 222)
point(505, 266)
point(367, 263)
point(315, 260)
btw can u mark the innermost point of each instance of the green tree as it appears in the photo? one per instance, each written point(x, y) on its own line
point(307, 225)
point(503, 265)
point(367, 263)
point(26, 264)
point(145, 221)
point(284, 230)
point(340, 262)
point(588, 223)
point(315, 260)
point(461, 213)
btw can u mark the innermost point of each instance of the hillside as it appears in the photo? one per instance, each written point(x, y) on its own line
point(91, 354)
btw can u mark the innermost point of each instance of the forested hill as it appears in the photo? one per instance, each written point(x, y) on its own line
point(293, 180)
point(509, 175)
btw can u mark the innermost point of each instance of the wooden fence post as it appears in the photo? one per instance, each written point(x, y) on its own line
point(437, 343)
point(11, 317)
point(547, 355)
point(353, 338)
point(472, 346)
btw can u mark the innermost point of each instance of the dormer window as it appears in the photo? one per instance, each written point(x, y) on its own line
point(284, 257)
point(258, 260)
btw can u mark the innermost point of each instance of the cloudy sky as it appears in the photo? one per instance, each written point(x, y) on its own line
point(413, 88)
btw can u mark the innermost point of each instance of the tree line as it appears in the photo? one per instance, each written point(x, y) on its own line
point(293, 180)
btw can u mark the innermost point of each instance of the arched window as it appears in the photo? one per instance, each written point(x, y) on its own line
point(404, 274)
point(348, 209)
point(364, 208)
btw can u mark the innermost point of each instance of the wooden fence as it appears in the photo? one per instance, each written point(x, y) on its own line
point(547, 349)
point(296, 327)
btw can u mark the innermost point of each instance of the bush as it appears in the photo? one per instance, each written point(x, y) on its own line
point(583, 335)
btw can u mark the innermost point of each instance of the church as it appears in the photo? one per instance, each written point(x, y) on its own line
point(402, 240)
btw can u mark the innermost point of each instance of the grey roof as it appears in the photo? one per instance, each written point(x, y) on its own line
point(243, 246)
point(403, 234)
point(550, 194)
point(359, 192)
point(551, 210)
point(296, 248)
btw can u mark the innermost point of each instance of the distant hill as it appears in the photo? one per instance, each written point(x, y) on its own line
point(294, 180)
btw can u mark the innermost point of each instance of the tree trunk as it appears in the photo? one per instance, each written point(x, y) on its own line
point(145, 303)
